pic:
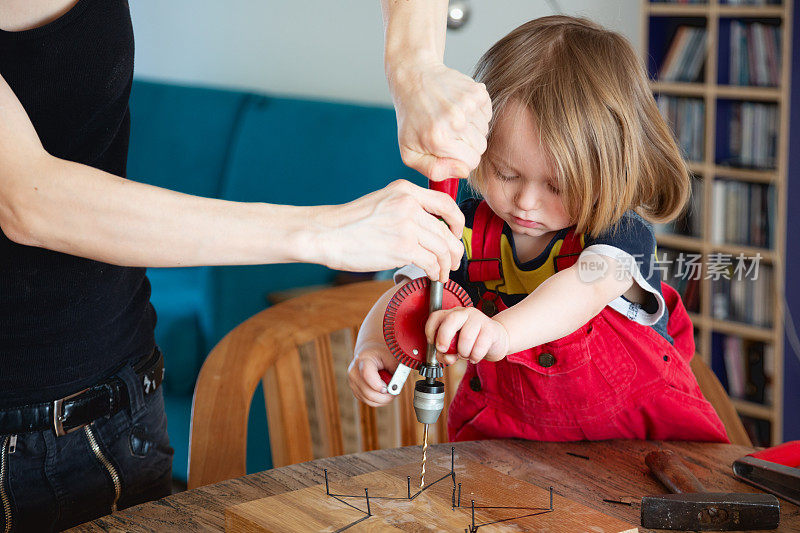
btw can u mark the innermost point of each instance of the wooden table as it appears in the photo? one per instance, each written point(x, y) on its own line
point(586, 472)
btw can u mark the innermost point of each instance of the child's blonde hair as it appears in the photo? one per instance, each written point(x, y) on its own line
point(597, 119)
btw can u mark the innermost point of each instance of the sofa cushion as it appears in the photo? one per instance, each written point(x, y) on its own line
point(182, 300)
point(180, 136)
point(304, 152)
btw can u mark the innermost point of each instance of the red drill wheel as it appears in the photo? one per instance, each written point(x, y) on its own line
point(406, 315)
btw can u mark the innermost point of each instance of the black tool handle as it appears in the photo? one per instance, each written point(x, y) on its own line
point(672, 472)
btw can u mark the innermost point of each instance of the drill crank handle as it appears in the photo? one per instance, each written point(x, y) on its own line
point(394, 382)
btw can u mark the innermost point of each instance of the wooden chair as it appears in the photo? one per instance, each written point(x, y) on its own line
point(715, 393)
point(300, 349)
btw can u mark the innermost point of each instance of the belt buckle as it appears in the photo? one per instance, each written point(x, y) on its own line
point(58, 415)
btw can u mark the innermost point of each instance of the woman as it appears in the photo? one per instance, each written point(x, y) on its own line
point(82, 427)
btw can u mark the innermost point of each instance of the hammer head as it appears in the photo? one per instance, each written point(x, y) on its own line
point(711, 511)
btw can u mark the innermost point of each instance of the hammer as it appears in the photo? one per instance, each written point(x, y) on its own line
point(692, 508)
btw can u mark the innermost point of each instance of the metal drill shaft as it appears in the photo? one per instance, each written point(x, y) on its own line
point(434, 304)
point(424, 455)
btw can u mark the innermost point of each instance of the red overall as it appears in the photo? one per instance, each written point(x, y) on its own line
point(612, 378)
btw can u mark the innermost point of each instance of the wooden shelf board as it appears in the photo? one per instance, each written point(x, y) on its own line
point(697, 319)
point(700, 90)
point(769, 11)
point(746, 174)
point(748, 251)
point(697, 168)
point(678, 88)
point(744, 92)
point(671, 240)
point(756, 410)
point(678, 10)
point(741, 329)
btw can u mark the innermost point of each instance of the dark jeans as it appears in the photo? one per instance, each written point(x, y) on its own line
point(53, 483)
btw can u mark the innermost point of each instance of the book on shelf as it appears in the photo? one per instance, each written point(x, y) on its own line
point(685, 58)
point(689, 222)
point(752, 2)
point(742, 367)
point(741, 289)
point(743, 213)
point(683, 272)
point(753, 135)
point(686, 118)
point(759, 430)
point(755, 54)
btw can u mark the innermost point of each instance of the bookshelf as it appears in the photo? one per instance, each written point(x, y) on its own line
point(730, 114)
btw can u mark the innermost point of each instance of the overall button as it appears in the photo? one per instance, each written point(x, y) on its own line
point(475, 383)
point(546, 359)
point(489, 308)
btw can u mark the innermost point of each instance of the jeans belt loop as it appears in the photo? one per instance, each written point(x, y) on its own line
point(58, 415)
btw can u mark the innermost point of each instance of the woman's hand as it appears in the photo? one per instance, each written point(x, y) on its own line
point(479, 337)
point(442, 115)
point(389, 228)
point(442, 119)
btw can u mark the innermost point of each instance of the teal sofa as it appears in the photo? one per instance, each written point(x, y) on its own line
point(245, 147)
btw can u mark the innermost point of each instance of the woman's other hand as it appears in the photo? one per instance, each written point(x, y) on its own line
point(389, 228)
point(442, 115)
point(442, 119)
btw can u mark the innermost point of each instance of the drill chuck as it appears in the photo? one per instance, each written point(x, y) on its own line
point(428, 400)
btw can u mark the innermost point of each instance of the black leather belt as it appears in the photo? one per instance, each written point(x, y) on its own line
point(75, 411)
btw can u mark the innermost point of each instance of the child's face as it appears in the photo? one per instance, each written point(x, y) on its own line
point(520, 184)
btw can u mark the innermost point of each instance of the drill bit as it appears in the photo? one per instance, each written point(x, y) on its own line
point(424, 455)
point(434, 304)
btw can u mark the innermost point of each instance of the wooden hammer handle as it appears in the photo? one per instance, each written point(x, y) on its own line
point(672, 472)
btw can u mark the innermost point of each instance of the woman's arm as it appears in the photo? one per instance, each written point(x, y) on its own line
point(79, 210)
point(442, 115)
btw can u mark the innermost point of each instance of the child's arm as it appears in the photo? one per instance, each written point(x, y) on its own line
point(559, 306)
point(371, 355)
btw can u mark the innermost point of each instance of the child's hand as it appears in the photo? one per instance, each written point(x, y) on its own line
point(362, 374)
point(480, 337)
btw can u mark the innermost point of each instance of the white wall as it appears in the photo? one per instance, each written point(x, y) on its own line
point(328, 49)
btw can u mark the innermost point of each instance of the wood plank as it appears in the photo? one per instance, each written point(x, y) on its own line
point(327, 398)
point(342, 353)
point(294, 434)
point(502, 503)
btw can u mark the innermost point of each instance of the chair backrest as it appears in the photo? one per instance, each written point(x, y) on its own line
point(300, 350)
point(715, 393)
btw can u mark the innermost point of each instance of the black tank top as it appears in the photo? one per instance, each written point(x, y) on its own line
point(68, 322)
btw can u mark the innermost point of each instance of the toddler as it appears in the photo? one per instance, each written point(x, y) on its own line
point(573, 335)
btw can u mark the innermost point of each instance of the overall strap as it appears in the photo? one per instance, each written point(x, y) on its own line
point(570, 251)
point(487, 229)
